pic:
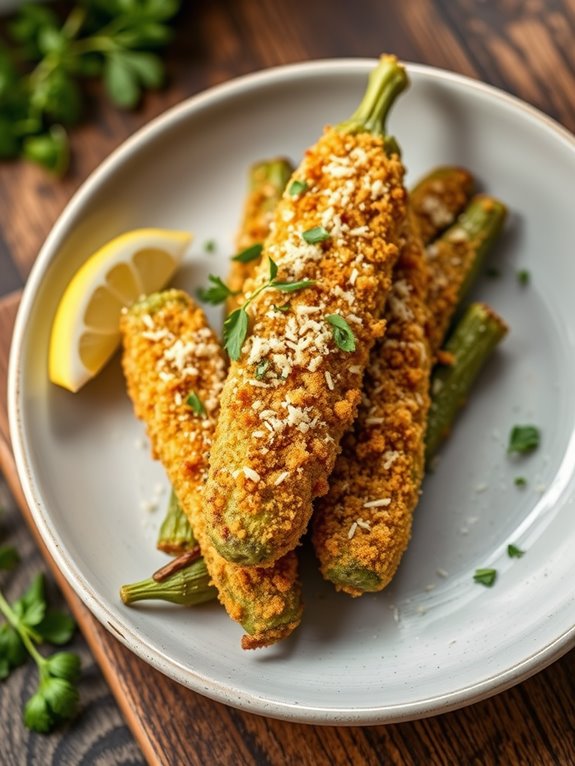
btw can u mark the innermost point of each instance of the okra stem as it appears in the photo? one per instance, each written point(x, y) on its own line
point(385, 83)
point(188, 587)
point(475, 336)
point(176, 535)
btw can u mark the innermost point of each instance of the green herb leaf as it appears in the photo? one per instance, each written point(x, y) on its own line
point(65, 665)
point(61, 696)
point(273, 270)
point(122, 83)
point(50, 150)
point(292, 287)
point(235, 332)
point(9, 557)
point(485, 576)
point(56, 627)
point(514, 552)
point(523, 439)
point(147, 67)
point(218, 292)
point(31, 608)
point(249, 254)
point(284, 309)
point(523, 277)
point(196, 404)
point(11, 647)
point(520, 481)
point(210, 246)
point(342, 332)
point(261, 369)
point(315, 235)
point(297, 187)
point(37, 715)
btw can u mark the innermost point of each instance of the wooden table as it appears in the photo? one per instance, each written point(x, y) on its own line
point(523, 46)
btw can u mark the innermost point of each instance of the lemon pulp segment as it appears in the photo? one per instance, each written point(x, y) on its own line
point(85, 332)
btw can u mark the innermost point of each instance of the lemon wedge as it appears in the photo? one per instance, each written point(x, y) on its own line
point(86, 332)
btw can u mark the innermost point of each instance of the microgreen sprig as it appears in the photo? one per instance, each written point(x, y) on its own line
point(236, 326)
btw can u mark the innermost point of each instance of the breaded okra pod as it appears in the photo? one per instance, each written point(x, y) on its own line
point(267, 181)
point(438, 198)
point(456, 258)
point(294, 386)
point(360, 548)
point(174, 368)
point(363, 525)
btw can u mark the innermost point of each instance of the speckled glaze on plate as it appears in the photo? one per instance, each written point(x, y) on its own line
point(434, 640)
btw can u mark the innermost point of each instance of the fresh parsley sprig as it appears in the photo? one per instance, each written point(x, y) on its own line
point(29, 623)
point(42, 68)
point(218, 292)
point(236, 326)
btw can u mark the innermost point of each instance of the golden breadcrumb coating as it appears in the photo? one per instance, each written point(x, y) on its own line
point(363, 525)
point(170, 353)
point(293, 393)
point(438, 199)
point(450, 261)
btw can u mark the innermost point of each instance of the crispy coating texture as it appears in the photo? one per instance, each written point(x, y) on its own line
point(267, 183)
point(438, 198)
point(170, 352)
point(363, 525)
point(293, 393)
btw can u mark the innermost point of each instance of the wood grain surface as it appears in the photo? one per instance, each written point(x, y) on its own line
point(525, 47)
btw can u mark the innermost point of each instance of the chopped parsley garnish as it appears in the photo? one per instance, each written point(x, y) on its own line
point(249, 254)
point(514, 552)
point(261, 369)
point(237, 324)
point(297, 187)
point(217, 292)
point(210, 245)
point(523, 277)
point(520, 481)
point(315, 235)
point(523, 439)
point(342, 332)
point(284, 309)
point(485, 577)
point(492, 272)
point(196, 404)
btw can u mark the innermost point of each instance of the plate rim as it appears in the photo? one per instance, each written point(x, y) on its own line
point(97, 605)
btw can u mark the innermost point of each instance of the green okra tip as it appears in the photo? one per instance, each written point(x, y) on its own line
point(385, 83)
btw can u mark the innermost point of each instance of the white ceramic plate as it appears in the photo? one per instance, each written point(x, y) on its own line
point(434, 640)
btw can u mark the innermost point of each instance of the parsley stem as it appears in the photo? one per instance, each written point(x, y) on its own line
point(74, 22)
point(26, 634)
